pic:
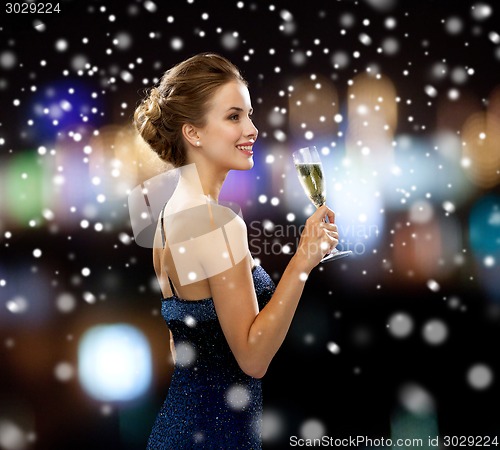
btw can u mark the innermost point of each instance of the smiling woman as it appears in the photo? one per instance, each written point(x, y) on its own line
point(226, 317)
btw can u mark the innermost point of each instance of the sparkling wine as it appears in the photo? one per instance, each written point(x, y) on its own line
point(310, 172)
point(311, 178)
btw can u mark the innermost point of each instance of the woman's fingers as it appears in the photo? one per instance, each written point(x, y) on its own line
point(320, 235)
point(324, 211)
point(331, 229)
point(329, 226)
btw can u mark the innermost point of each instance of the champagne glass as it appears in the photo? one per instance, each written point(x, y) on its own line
point(310, 172)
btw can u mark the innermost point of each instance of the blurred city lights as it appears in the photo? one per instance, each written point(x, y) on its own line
point(484, 235)
point(25, 186)
point(65, 104)
point(405, 110)
point(114, 362)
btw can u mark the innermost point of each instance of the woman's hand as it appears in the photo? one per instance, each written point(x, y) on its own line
point(317, 239)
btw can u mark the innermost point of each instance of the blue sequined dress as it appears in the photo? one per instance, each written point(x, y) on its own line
point(211, 403)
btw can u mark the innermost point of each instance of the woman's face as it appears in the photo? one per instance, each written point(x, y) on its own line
point(229, 133)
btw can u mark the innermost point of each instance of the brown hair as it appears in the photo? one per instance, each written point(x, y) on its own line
point(182, 96)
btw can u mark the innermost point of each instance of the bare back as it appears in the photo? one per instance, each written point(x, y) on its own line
point(196, 243)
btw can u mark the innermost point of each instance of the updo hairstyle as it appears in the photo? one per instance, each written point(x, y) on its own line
point(182, 96)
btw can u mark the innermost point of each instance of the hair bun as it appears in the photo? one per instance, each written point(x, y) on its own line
point(148, 121)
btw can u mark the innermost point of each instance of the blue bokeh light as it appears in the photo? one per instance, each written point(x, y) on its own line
point(484, 235)
point(64, 105)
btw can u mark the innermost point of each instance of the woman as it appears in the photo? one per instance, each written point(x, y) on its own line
point(226, 317)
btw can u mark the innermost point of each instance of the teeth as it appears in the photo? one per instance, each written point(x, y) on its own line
point(245, 147)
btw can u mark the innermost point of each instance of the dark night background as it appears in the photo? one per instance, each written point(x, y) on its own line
point(398, 341)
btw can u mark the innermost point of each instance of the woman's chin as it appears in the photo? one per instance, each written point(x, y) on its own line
point(247, 165)
point(250, 164)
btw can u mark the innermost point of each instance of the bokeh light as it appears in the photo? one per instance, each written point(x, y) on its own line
point(480, 376)
point(114, 362)
point(400, 325)
point(312, 429)
point(435, 332)
point(273, 426)
point(25, 183)
point(484, 235)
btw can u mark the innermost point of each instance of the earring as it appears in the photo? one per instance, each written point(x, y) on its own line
point(198, 143)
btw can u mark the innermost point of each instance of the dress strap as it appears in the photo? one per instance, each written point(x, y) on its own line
point(163, 241)
point(162, 226)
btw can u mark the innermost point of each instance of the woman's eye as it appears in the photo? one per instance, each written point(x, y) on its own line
point(234, 117)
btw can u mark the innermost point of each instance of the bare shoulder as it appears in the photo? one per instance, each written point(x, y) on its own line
point(192, 223)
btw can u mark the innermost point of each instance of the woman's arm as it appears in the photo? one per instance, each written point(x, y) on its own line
point(254, 337)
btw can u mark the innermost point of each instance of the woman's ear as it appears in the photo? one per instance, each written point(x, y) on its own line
point(190, 134)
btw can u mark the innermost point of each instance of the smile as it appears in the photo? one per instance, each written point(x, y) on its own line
point(247, 149)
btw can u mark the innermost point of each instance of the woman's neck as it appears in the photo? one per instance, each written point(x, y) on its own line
point(201, 181)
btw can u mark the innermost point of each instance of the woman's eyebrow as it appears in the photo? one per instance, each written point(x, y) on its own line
point(237, 108)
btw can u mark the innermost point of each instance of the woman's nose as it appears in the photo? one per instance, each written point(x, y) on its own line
point(252, 131)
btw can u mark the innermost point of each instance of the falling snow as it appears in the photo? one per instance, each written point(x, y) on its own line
point(404, 107)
